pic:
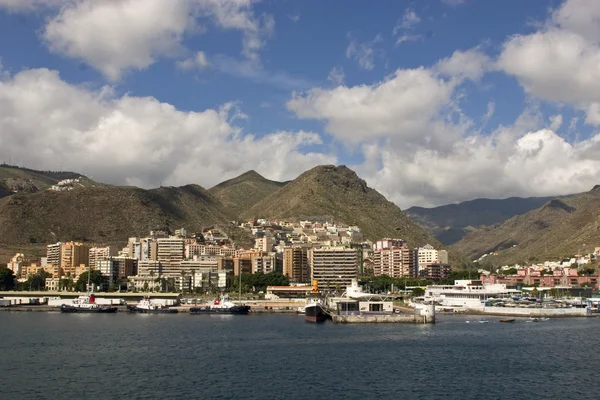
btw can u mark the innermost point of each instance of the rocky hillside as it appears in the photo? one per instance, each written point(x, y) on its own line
point(23, 180)
point(452, 222)
point(241, 193)
point(105, 214)
point(561, 227)
point(339, 194)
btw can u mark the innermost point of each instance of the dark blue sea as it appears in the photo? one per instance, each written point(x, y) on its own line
point(121, 356)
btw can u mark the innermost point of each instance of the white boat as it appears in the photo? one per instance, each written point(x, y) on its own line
point(145, 306)
point(86, 304)
point(301, 310)
point(467, 294)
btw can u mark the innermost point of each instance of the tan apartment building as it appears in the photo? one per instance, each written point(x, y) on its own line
point(53, 253)
point(397, 262)
point(296, 264)
point(72, 255)
point(171, 250)
point(333, 267)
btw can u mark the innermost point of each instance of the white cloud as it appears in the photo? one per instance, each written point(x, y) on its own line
point(336, 76)
point(409, 20)
point(559, 62)
point(556, 122)
point(137, 140)
point(239, 15)
point(26, 6)
point(116, 36)
point(401, 105)
point(469, 64)
point(364, 53)
point(198, 61)
point(294, 17)
point(407, 38)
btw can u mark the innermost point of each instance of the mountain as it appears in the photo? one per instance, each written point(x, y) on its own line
point(337, 193)
point(561, 227)
point(24, 180)
point(452, 222)
point(105, 214)
point(241, 193)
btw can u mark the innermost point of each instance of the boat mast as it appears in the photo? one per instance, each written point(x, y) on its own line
point(240, 298)
point(88, 283)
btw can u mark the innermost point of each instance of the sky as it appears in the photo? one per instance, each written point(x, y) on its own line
point(430, 102)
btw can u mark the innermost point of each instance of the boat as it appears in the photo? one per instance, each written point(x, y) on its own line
point(534, 319)
point(222, 306)
point(467, 294)
point(508, 320)
point(315, 312)
point(145, 306)
point(483, 321)
point(86, 304)
point(301, 310)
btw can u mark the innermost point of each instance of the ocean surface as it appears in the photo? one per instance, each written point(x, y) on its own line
point(122, 356)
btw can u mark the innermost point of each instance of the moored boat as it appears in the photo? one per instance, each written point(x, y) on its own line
point(223, 306)
point(315, 312)
point(145, 306)
point(86, 304)
point(508, 320)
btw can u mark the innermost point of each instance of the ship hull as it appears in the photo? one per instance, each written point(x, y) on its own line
point(315, 313)
point(99, 310)
point(235, 310)
point(134, 309)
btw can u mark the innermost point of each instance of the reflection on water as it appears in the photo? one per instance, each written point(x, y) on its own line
point(121, 356)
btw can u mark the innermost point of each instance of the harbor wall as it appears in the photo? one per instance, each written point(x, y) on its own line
point(388, 318)
point(536, 312)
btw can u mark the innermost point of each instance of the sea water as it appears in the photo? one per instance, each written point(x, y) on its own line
point(122, 356)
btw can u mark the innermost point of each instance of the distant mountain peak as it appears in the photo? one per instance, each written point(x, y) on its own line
point(595, 189)
point(557, 204)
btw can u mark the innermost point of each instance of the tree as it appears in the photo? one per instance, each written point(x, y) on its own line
point(95, 278)
point(36, 281)
point(418, 292)
point(7, 279)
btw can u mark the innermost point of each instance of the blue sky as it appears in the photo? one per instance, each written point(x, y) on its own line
point(430, 102)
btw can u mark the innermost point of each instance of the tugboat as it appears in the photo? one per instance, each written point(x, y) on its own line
point(315, 312)
point(146, 307)
point(223, 306)
point(86, 304)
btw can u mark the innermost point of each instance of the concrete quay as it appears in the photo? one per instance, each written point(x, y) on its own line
point(387, 318)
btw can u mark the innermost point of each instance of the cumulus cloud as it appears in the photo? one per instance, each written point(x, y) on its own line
point(469, 64)
point(402, 105)
point(559, 63)
point(364, 53)
point(116, 36)
point(137, 140)
point(198, 61)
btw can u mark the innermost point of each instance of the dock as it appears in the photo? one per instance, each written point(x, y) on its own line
point(388, 318)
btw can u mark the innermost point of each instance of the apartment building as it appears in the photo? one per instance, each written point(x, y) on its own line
point(53, 253)
point(296, 264)
point(170, 250)
point(100, 253)
point(264, 262)
point(397, 262)
point(428, 255)
point(333, 267)
point(72, 255)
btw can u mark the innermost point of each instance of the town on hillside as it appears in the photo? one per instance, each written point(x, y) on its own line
point(286, 252)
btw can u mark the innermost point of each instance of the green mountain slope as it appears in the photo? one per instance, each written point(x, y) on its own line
point(241, 193)
point(338, 193)
point(105, 214)
point(561, 227)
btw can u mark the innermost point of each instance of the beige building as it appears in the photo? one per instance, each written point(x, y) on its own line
point(171, 250)
point(264, 244)
point(72, 255)
point(53, 253)
point(100, 254)
point(428, 255)
point(264, 262)
point(296, 264)
point(397, 262)
point(333, 267)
